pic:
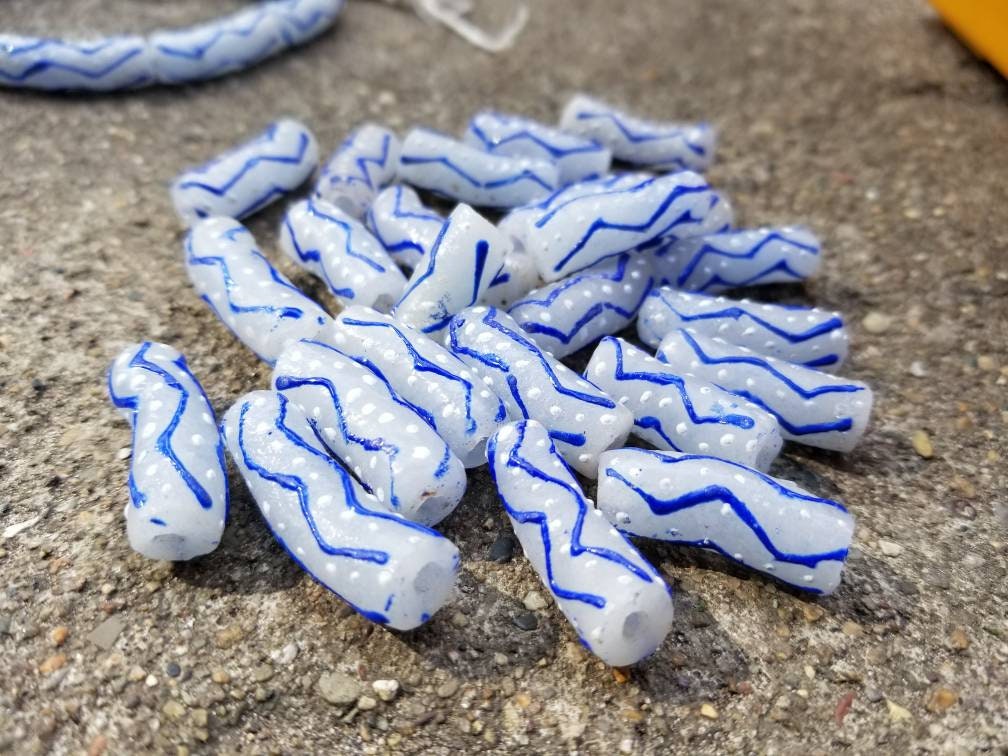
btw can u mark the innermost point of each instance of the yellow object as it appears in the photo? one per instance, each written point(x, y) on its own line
point(982, 24)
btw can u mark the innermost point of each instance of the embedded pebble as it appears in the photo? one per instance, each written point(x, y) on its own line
point(502, 550)
point(339, 688)
point(525, 621)
point(386, 690)
point(890, 549)
point(534, 601)
point(876, 322)
point(366, 703)
point(448, 688)
point(922, 444)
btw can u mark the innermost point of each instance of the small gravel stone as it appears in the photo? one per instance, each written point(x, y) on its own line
point(708, 711)
point(500, 659)
point(58, 635)
point(876, 322)
point(172, 669)
point(987, 362)
point(534, 601)
point(958, 639)
point(941, 700)
point(173, 710)
point(262, 673)
point(852, 629)
point(525, 621)
point(448, 688)
point(922, 444)
point(917, 369)
point(812, 612)
point(220, 677)
point(386, 690)
point(366, 703)
point(228, 636)
point(897, 713)
point(104, 636)
point(873, 694)
point(54, 662)
point(503, 549)
point(285, 655)
point(199, 717)
point(890, 549)
point(339, 688)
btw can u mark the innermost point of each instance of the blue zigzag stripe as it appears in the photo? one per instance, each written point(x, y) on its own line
point(542, 520)
point(361, 161)
point(526, 135)
point(593, 312)
point(842, 424)
point(164, 446)
point(749, 254)
point(314, 210)
point(524, 175)
point(300, 488)
point(93, 74)
point(735, 313)
point(600, 224)
point(715, 493)
point(397, 211)
point(197, 51)
point(743, 422)
point(248, 165)
point(229, 283)
point(639, 137)
point(423, 365)
point(495, 362)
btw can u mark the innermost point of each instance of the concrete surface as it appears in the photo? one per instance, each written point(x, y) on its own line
point(865, 119)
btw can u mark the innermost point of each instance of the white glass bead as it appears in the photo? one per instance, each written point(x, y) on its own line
point(365, 162)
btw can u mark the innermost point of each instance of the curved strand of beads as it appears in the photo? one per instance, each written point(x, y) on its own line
point(764, 523)
point(576, 311)
point(654, 145)
point(805, 335)
point(251, 297)
point(390, 449)
point(721, 261)
point(576, 158)
point(581, 418)
point(464, 173)
point(177, 481)
point(517, 277)
point(248, 177)
point(439, 387)
point(361, 166)
point(679, 412)
point(204, 51)
point(390, 570)
point(405, 227)
point(811, 407)
point(329, 243)
point(619, 605)
point(464, 260)
point(573, 234)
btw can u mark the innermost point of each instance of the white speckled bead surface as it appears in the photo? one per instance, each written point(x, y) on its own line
point(177, 481)
point(762, 522)
point(576, 157)
point(576, 311)
point(248, 177)
point(730, 259)
point(464, 173)
point(401, 460)
point(514, 222)
point(440, 388)
point(517, 277)
point(405, 227)
point(354, 265)
point(393, 571)
point(366, 161)
point(619, 605)
point(806, 335)
point(680, 412)
point(573, 234)
point(581, 418)
point(811, 407)
point(462, 263)
point(651, 144)
point(97, 65)
point(252, 298)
